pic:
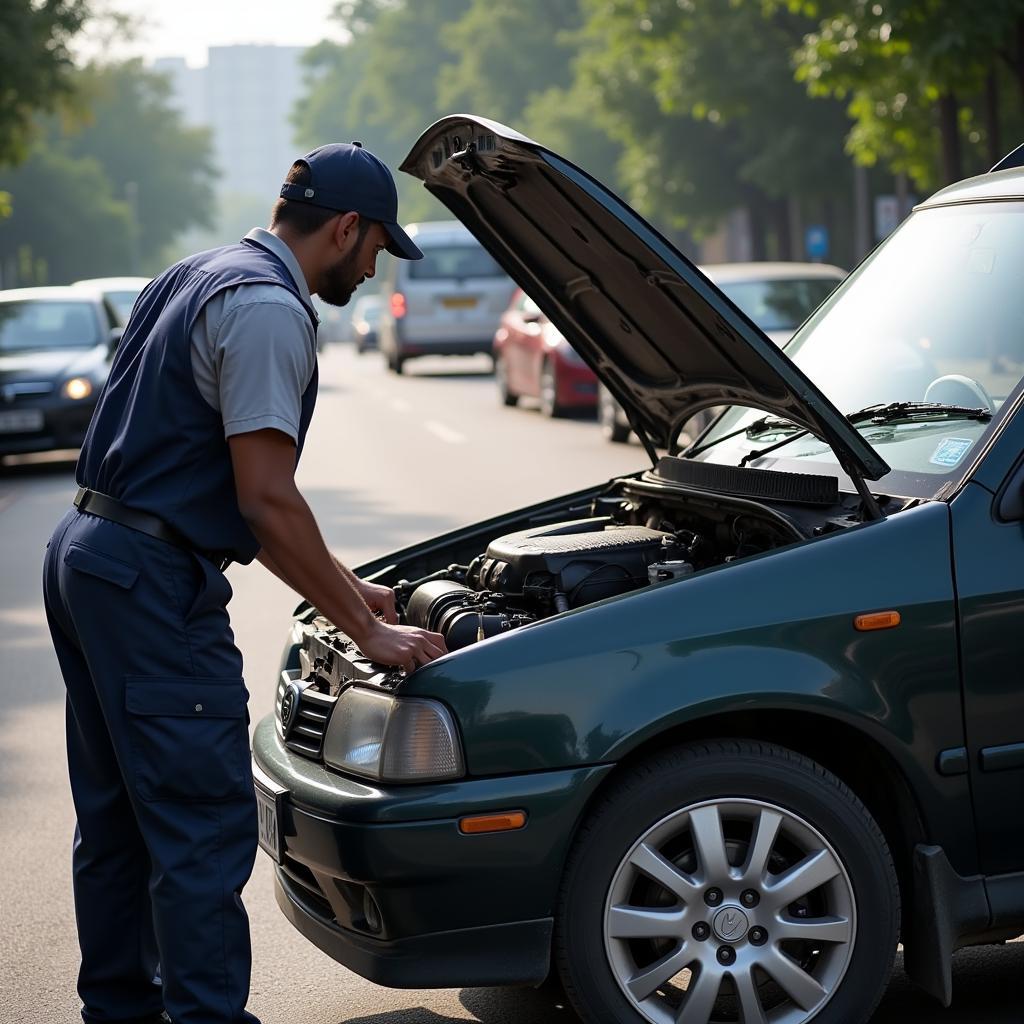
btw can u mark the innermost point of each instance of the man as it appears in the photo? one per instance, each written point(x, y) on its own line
point(188, 464)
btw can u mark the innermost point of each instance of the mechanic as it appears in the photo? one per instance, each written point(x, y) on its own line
point(188, 465)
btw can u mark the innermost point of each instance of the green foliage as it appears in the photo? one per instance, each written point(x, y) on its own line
point(913, 73)
point(64, 221)
point(35, 65)
point(129, 140)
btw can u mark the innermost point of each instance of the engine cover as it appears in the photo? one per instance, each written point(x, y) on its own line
point(584, 559)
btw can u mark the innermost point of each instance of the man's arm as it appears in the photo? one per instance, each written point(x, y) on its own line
point(264, 464)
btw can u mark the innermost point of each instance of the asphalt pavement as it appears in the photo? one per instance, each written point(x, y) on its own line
point(389, 460)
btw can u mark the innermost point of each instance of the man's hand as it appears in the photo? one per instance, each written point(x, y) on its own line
point(379, 600)
point(405, 646)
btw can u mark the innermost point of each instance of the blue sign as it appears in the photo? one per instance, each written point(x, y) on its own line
point(816, 242)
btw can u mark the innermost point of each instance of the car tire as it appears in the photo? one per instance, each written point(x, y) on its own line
point(607, 414)
point(549, 392)
point(507, 396)
point(717, 822)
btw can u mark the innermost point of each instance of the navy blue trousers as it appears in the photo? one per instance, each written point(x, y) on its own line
point(158, 756)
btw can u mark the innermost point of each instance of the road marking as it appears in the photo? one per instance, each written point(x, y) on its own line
point(400, 405)
point(444, 433)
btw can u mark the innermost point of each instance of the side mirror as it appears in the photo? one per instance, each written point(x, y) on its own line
point(116, 334)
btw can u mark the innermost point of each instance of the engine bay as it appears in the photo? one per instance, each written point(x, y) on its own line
point(639, 532)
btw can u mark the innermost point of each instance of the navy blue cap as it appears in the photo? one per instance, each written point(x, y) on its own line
point(346, 177)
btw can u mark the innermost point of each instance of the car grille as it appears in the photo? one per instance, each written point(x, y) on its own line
point(306, 735)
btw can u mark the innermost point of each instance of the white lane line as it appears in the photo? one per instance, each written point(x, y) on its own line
point(400, 405)
point(444, 433)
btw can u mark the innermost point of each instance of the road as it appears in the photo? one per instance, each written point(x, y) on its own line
point(388, 461)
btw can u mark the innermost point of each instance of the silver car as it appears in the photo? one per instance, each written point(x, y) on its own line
point(448, 303)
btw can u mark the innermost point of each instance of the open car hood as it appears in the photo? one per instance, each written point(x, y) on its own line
point(665, 341)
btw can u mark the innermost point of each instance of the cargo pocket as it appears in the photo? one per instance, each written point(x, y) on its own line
point(103, 566)
point(189, 738)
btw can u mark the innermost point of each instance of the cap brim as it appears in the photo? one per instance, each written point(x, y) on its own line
point(400, 244)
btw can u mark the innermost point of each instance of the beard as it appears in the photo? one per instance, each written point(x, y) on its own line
point(340, 281)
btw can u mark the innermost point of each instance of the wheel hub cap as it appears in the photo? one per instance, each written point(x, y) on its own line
point(730, 924)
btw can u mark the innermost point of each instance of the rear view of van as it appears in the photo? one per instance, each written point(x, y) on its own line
point(448, 303)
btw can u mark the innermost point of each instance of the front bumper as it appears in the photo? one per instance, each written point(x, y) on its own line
point(65, 423)
point(381, 879)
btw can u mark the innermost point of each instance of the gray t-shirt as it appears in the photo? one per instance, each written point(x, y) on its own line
point(254, 350)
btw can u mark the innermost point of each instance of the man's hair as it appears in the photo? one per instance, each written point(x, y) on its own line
point(305, 218)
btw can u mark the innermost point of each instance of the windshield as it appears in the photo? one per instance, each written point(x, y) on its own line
point(122, 302)
point(447, 261)
point(779, 305)
point(933, 315)
point(45, 324)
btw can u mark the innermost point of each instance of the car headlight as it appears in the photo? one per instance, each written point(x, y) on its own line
point(77, 388)
point(393, 739)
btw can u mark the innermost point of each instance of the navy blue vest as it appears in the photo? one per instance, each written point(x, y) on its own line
point(154, 443)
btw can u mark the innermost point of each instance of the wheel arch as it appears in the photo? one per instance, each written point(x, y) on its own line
point(860, 761)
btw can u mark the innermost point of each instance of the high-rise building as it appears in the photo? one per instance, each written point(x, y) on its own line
point(245, 95)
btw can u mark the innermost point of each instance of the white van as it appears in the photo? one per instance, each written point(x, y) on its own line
point(448, 303)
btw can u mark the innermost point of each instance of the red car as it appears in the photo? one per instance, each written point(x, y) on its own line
point(532, 359)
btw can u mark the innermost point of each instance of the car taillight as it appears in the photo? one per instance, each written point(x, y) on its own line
point(397, 305)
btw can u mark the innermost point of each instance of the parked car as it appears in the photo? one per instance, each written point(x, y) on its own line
point(55, 350)
point(365, 318)
point(532, 359)
point(778, 297)
point(714, 736)
point(448, 303)
point(334, 327)
point(119, 292)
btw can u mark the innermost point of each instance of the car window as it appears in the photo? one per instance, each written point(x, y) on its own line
point(45, 324)
point(933, 315)
point(781, 305)
point(461, 260)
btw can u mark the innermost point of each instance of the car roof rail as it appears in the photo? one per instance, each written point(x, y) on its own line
point(1015, 158)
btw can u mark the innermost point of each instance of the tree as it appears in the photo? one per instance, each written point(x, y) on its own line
point(35, 65)
point(64, 221)
point(137, 176)
point(701, 94)
point(919, 77)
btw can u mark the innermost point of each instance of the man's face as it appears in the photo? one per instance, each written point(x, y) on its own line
point(341, 280)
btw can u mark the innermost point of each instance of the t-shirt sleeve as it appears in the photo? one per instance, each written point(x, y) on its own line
point(265, 354)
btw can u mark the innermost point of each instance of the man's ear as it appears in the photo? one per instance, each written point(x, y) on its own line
point(346, 231)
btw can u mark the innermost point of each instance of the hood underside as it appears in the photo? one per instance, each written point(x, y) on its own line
point(658, 333)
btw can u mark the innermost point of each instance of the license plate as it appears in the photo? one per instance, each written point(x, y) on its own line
point(269, 800)
point(21, 421)
point(455, 303)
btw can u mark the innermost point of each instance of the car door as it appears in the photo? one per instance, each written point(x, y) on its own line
point(988, 550)
point(524, 330)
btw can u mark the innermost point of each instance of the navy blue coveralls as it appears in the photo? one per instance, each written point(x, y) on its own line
point(158, 749)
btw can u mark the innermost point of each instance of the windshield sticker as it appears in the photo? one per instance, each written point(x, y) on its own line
point(950, 451)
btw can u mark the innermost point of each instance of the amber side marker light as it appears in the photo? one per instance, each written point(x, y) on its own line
point(877, 620)
point(482, 823)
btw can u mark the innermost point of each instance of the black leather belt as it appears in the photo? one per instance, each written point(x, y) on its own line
point(102, 505)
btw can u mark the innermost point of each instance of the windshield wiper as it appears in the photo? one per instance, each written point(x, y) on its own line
point(894, 412)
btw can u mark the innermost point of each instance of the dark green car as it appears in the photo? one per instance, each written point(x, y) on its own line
point(713, 738)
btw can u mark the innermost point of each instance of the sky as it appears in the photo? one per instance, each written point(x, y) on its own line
point(185, 28)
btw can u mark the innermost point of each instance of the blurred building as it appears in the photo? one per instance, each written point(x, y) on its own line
point(245, 94)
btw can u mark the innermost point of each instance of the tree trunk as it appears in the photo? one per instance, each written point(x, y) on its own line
point(755, 210)
point(949, 131)
point(995, 142)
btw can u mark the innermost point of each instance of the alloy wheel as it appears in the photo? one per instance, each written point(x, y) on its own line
point(730, 910)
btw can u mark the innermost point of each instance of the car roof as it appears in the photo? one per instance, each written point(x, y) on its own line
point(764, 271)
point(112, 283)
point(439, 232)
point(1008, 184)
point(51, 293)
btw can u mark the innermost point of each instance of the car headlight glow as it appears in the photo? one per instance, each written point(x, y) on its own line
point(77, 388)
point(393, 739)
